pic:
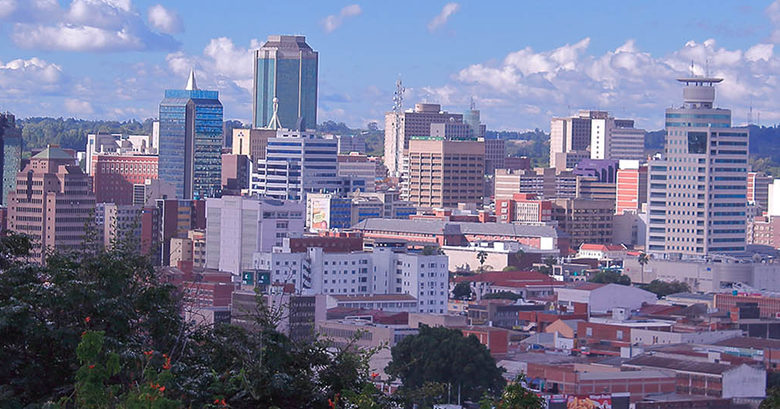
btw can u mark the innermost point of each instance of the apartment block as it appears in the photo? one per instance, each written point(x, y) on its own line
point(631, 187)
point(545, 183)
point(115, 175)
point(585, 220)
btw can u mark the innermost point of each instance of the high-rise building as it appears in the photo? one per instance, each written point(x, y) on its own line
point(631, 187)
point(237, 227)
point(166, 219)
point(52, 203)
point(10, 154)
point(758, 189)
point(326, 211)
point(235, 174)
point(595, 135)
point(585, 220)
point(286, 69)
point(191, 141)
point(443, 173)
point(115, 175)
point(119, 224)
point(297, 163)
point(117, 144)
point(698, 188)
point(495, 155)
point(545, 183)
point(252, 142)
point(399, 127)
point(359, 166)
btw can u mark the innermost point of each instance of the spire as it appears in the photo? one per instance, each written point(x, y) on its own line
point(274, 123)
point(191, 81)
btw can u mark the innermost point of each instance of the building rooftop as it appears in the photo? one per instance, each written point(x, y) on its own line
point(376, 297)
point(616, 375)
point(679, 364)
point(423, 226)
point(53, 152)
point(750, 342)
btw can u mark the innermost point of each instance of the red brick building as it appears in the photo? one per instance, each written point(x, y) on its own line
point(115, 175)
point(495, 339)
point(523, 207)
point(579, 379)
point(768, 307)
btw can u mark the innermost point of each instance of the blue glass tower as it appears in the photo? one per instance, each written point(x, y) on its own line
point(286, 68)
point(10, 154)
point(190, 155)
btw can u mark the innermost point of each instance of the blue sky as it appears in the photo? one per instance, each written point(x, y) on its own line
point(522, 61)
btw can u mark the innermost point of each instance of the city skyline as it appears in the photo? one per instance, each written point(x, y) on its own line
point(521, 71)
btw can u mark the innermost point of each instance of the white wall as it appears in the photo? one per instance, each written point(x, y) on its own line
point(744, 382)
point(614, 295)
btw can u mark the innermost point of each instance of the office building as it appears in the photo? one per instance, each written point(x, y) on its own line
point(53, 203)
point(585, 220)
point(166, 219)
point(285, 68)
point(631, 187)
point(190, 249)
point(495, 155)
point(145, 194)
point(117, 144)
point(359, 166)
point(252, 142)
point(297, 162)
point(472, 119)
point(758, 189)
point(351, 144)
point(524, 208)
point(115, 175)
point(119, 225)
point(237, 227)
point(235, 174)
point(191, 141)
point(383, 271)
point(698, 189)
point(443, 173)
point(545, 183)
point(399, 127)
point(10, 154)
point(594, 135)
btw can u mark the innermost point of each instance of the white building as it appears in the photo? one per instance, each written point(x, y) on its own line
point(237, 227)
point(698, 190)
point(296, 163)
point(425, 277)
point(118, 223)
point(603, 298)
point(118, 144)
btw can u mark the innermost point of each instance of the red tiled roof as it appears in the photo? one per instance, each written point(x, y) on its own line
point(587, 286)
point(517, 279)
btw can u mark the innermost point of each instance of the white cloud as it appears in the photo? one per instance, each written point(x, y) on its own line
point(627, 81)
point(86, 25)
point(30, 77)
point(78, 107)
point(334, 21)
point(164, 20)
point(441, 19)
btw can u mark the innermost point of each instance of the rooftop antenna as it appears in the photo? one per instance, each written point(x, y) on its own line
point(473, 105)
point(750, 112)
point(398, 106)
point(691, 69)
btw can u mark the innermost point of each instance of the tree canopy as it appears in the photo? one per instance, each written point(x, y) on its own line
point(101, 328)
point(444, 356)
point(610, 277)
point(664, 288)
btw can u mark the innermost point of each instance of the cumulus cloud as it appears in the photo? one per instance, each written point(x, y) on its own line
point(441, 19)
point(164, 20)
point(30, 77)
point(86, 25)
point(334, 21)
point(78, 107)
point(627, 81)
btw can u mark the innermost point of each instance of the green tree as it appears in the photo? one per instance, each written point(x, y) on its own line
point(772, 400)
point(664, 288)
point(642, 259)
point(502, 295)
point(444, 356)
point(482, 256)
point(514, 396)
point(462, 291)
point(610, 277)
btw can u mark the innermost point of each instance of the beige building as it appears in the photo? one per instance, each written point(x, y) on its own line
point(585, 220)
point(252, 142)
point(545, 183)
point(443, 173)
point(589, 187)
point(359, 166)
point(400, 127)
point(52, 202)
point(595, 135)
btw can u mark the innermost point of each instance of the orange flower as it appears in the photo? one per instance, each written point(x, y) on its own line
point(149, 354)
point(92, 367)
point(87, 320)
point(167, 364)
point(331, 405)
point(162, 389)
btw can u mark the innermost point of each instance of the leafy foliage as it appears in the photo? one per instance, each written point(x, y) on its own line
point(462, 291)
point(502, 295)
point(72, 133)
point(664, 288)
point(444, 356)
point(514, 396)
point(772, 400)
point(99, 328)
point(610, 277)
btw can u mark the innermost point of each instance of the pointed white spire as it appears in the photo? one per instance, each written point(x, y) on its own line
point(274, 122)
point(191, 81)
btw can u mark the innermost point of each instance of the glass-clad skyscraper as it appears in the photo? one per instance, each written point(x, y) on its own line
point(10, 152)
point(285, 68)
point(190, 155)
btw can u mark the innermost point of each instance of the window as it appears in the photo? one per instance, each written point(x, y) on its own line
point(589, 332)
point(620, 335)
